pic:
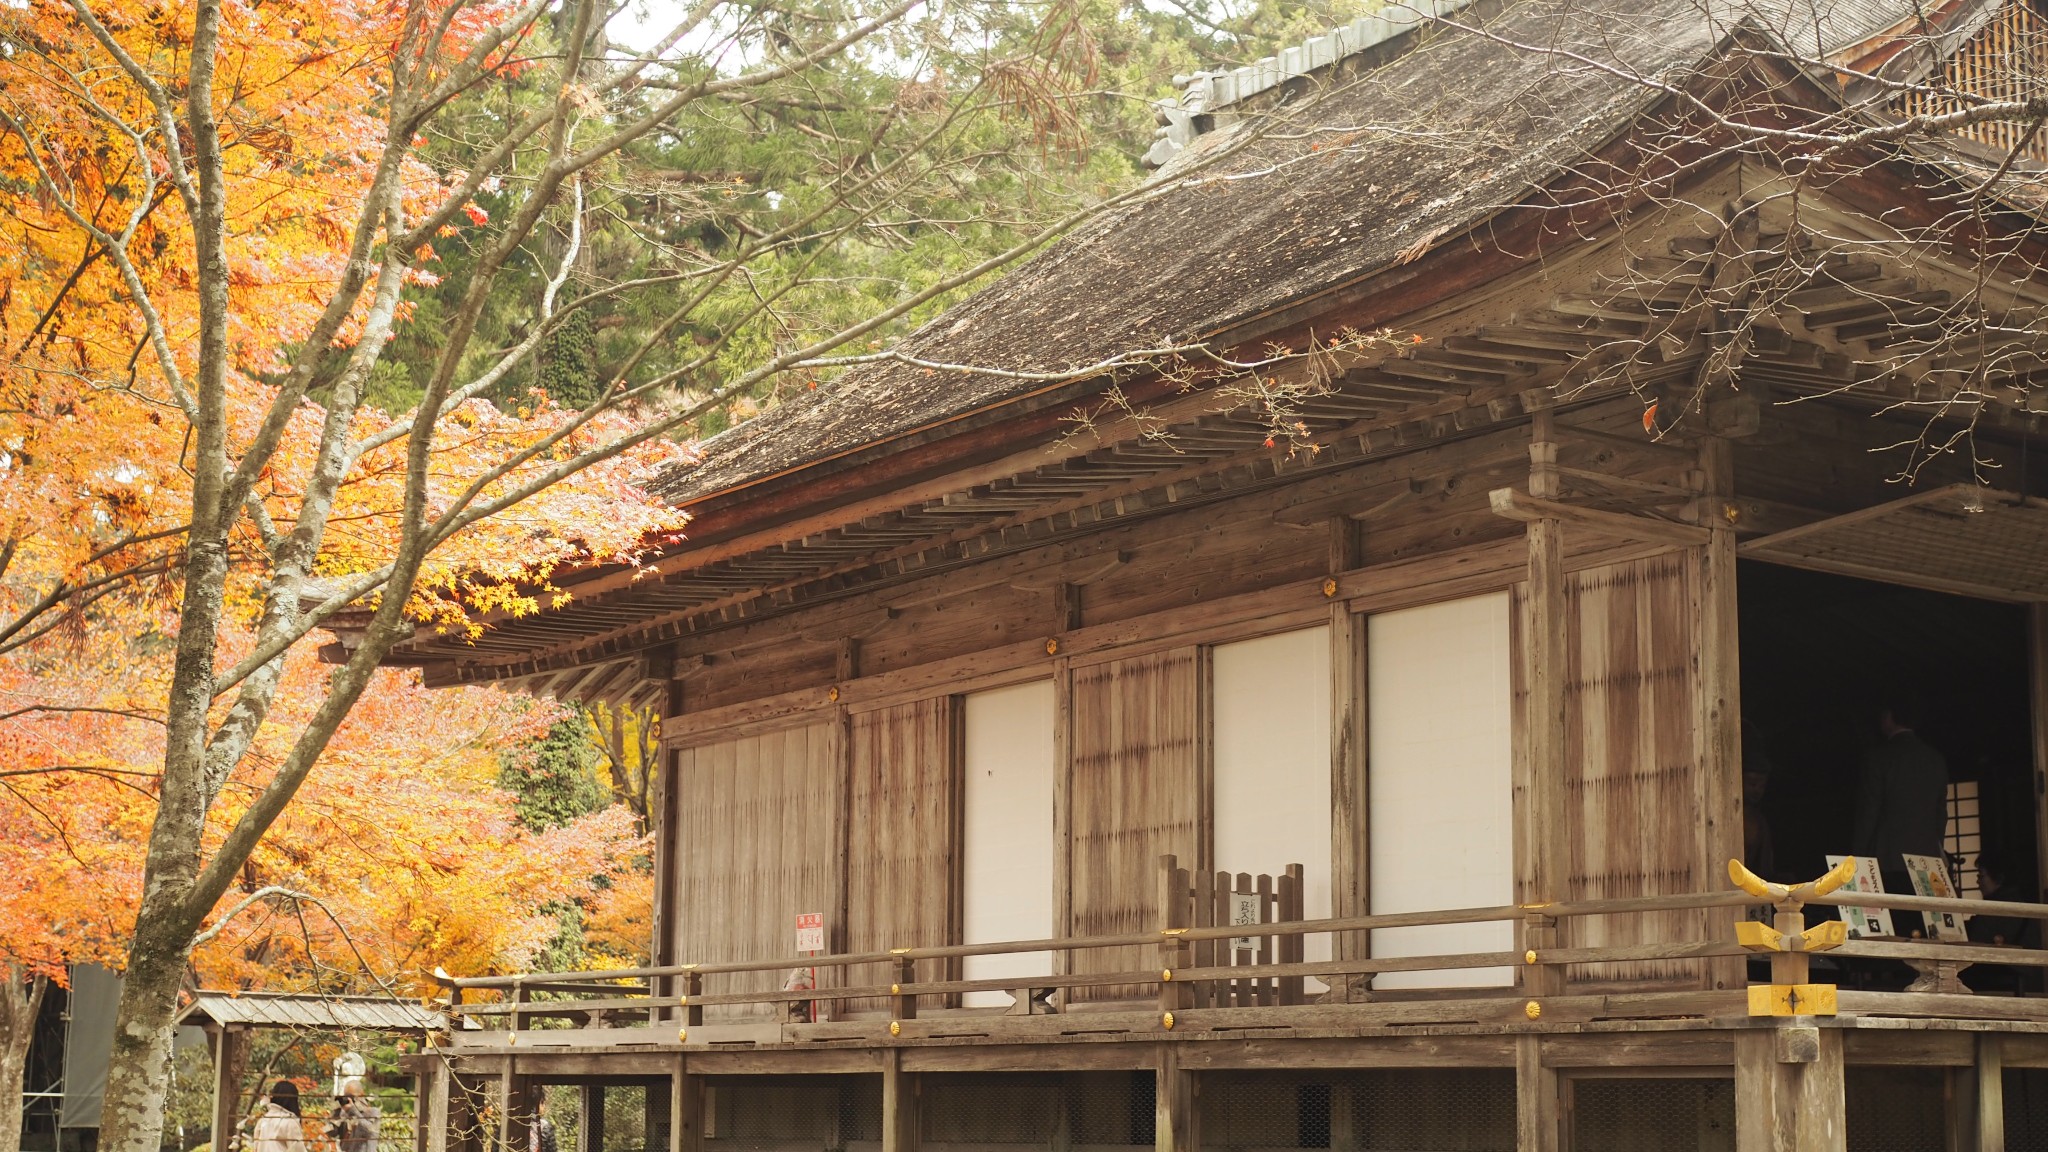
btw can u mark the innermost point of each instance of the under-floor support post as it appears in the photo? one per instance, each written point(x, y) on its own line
point(1536, 1098)
point(1788, 1089)
point(685, 1110)
point(901, 1125)
point(1990, 1102)
point(515, 1115)
point(1174, 1125)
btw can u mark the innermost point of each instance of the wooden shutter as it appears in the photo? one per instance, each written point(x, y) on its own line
point(1137, 792)
point(759, 843)
point(1632, 775)
point(902, 817)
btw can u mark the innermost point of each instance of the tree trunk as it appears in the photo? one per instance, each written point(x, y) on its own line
point(139, 1065)
point(21, 998)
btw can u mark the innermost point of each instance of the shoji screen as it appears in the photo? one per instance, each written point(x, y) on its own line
point(1271, 704)
point(1441, 790)
point(1007, 852)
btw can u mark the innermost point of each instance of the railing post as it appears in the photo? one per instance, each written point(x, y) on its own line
point(693, 990)
point(1539, 976)
point(1173, 949)
point(520, 995)
point(904, 972)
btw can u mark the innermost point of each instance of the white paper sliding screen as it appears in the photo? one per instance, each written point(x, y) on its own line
point(1441, 793)
point(1007, 857)
point(1270, 699)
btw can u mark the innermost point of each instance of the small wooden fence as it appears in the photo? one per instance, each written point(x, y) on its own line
point(1204, 978)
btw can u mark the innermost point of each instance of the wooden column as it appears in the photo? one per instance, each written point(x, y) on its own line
point(1350, 815)
point(901, 1125)
point(685, 1110)
point(1788, 1090)
point(663, 809)
point(590, 1118)
point(1536, 1098)
point(230, 1065)
point(1720, 687)
point(1175, 1126)
point(1062, 810)
point(2037, 652)
point(1990, 1094)
point(515, 1114)
point(1544, 648)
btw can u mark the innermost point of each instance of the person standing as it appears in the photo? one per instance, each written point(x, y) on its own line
point(1901, 802)
point(279, 1128)
point(541, 1137)
point(354, 1124)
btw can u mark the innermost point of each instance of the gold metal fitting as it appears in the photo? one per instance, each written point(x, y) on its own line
point(1167, 1020)
point(682, 1034)
point(899, 951)
point(683, 1001)
point(511, 1038)
point(895, 989)
point(895, 1027)
point(1532, 1010)
point(1529, 957)
point(1165, 975)
point(832, 694)
point(1330, 586)
point(1052, 647)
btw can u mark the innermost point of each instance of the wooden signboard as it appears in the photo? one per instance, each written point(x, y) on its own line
point(1930, 878)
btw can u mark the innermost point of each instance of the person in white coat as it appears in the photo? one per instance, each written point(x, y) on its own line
point(278, 1127)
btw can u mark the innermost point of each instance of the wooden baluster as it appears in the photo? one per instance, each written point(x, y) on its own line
point(1204, 901)
point(1292, 948)
point(693, 991)
point(1265, 987)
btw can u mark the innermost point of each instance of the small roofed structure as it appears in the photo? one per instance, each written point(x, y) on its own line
point(229, 1018)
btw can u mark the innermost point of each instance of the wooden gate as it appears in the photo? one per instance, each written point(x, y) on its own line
point(1204, 900)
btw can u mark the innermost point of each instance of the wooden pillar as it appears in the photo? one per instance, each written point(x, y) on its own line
point(1788, 1090)
point(1062, 810)
point(1350, 815)
point(1543, 826)
point(1536, 1098)
point(664, 808)
point(685, 1110)
point(902, 1128)
point(230, 1065)
point(1175, 1125)
point(2037, 653)
point(1720, 688)
point(1990, 1094)
point(515, 1111)
point(590, 1118)
point(1343, 1117)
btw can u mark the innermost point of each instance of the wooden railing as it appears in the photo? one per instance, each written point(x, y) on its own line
point(635, 997)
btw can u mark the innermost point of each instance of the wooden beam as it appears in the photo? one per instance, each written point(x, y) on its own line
point(1529, 509)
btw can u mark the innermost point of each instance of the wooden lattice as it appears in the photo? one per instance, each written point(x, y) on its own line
point(2006, 60)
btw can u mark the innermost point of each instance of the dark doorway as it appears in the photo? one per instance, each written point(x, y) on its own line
point(1819, 652)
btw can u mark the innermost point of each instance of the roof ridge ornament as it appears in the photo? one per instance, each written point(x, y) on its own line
point(1204, 92)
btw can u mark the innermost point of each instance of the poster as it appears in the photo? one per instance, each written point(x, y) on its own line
point(1930, 878)
point(1864, 922)
point(810, 932)
point(1244, 910)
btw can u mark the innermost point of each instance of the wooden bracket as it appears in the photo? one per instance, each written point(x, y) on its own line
point(1518, 506)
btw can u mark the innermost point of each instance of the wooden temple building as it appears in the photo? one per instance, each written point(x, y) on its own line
point(1610, 444)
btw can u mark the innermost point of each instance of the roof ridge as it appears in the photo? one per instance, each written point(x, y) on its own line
point(1202, 93)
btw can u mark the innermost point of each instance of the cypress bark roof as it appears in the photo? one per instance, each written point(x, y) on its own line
point(1348, 171)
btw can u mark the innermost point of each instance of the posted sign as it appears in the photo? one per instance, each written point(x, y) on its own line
point(810, 932)
point(1244, 911)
